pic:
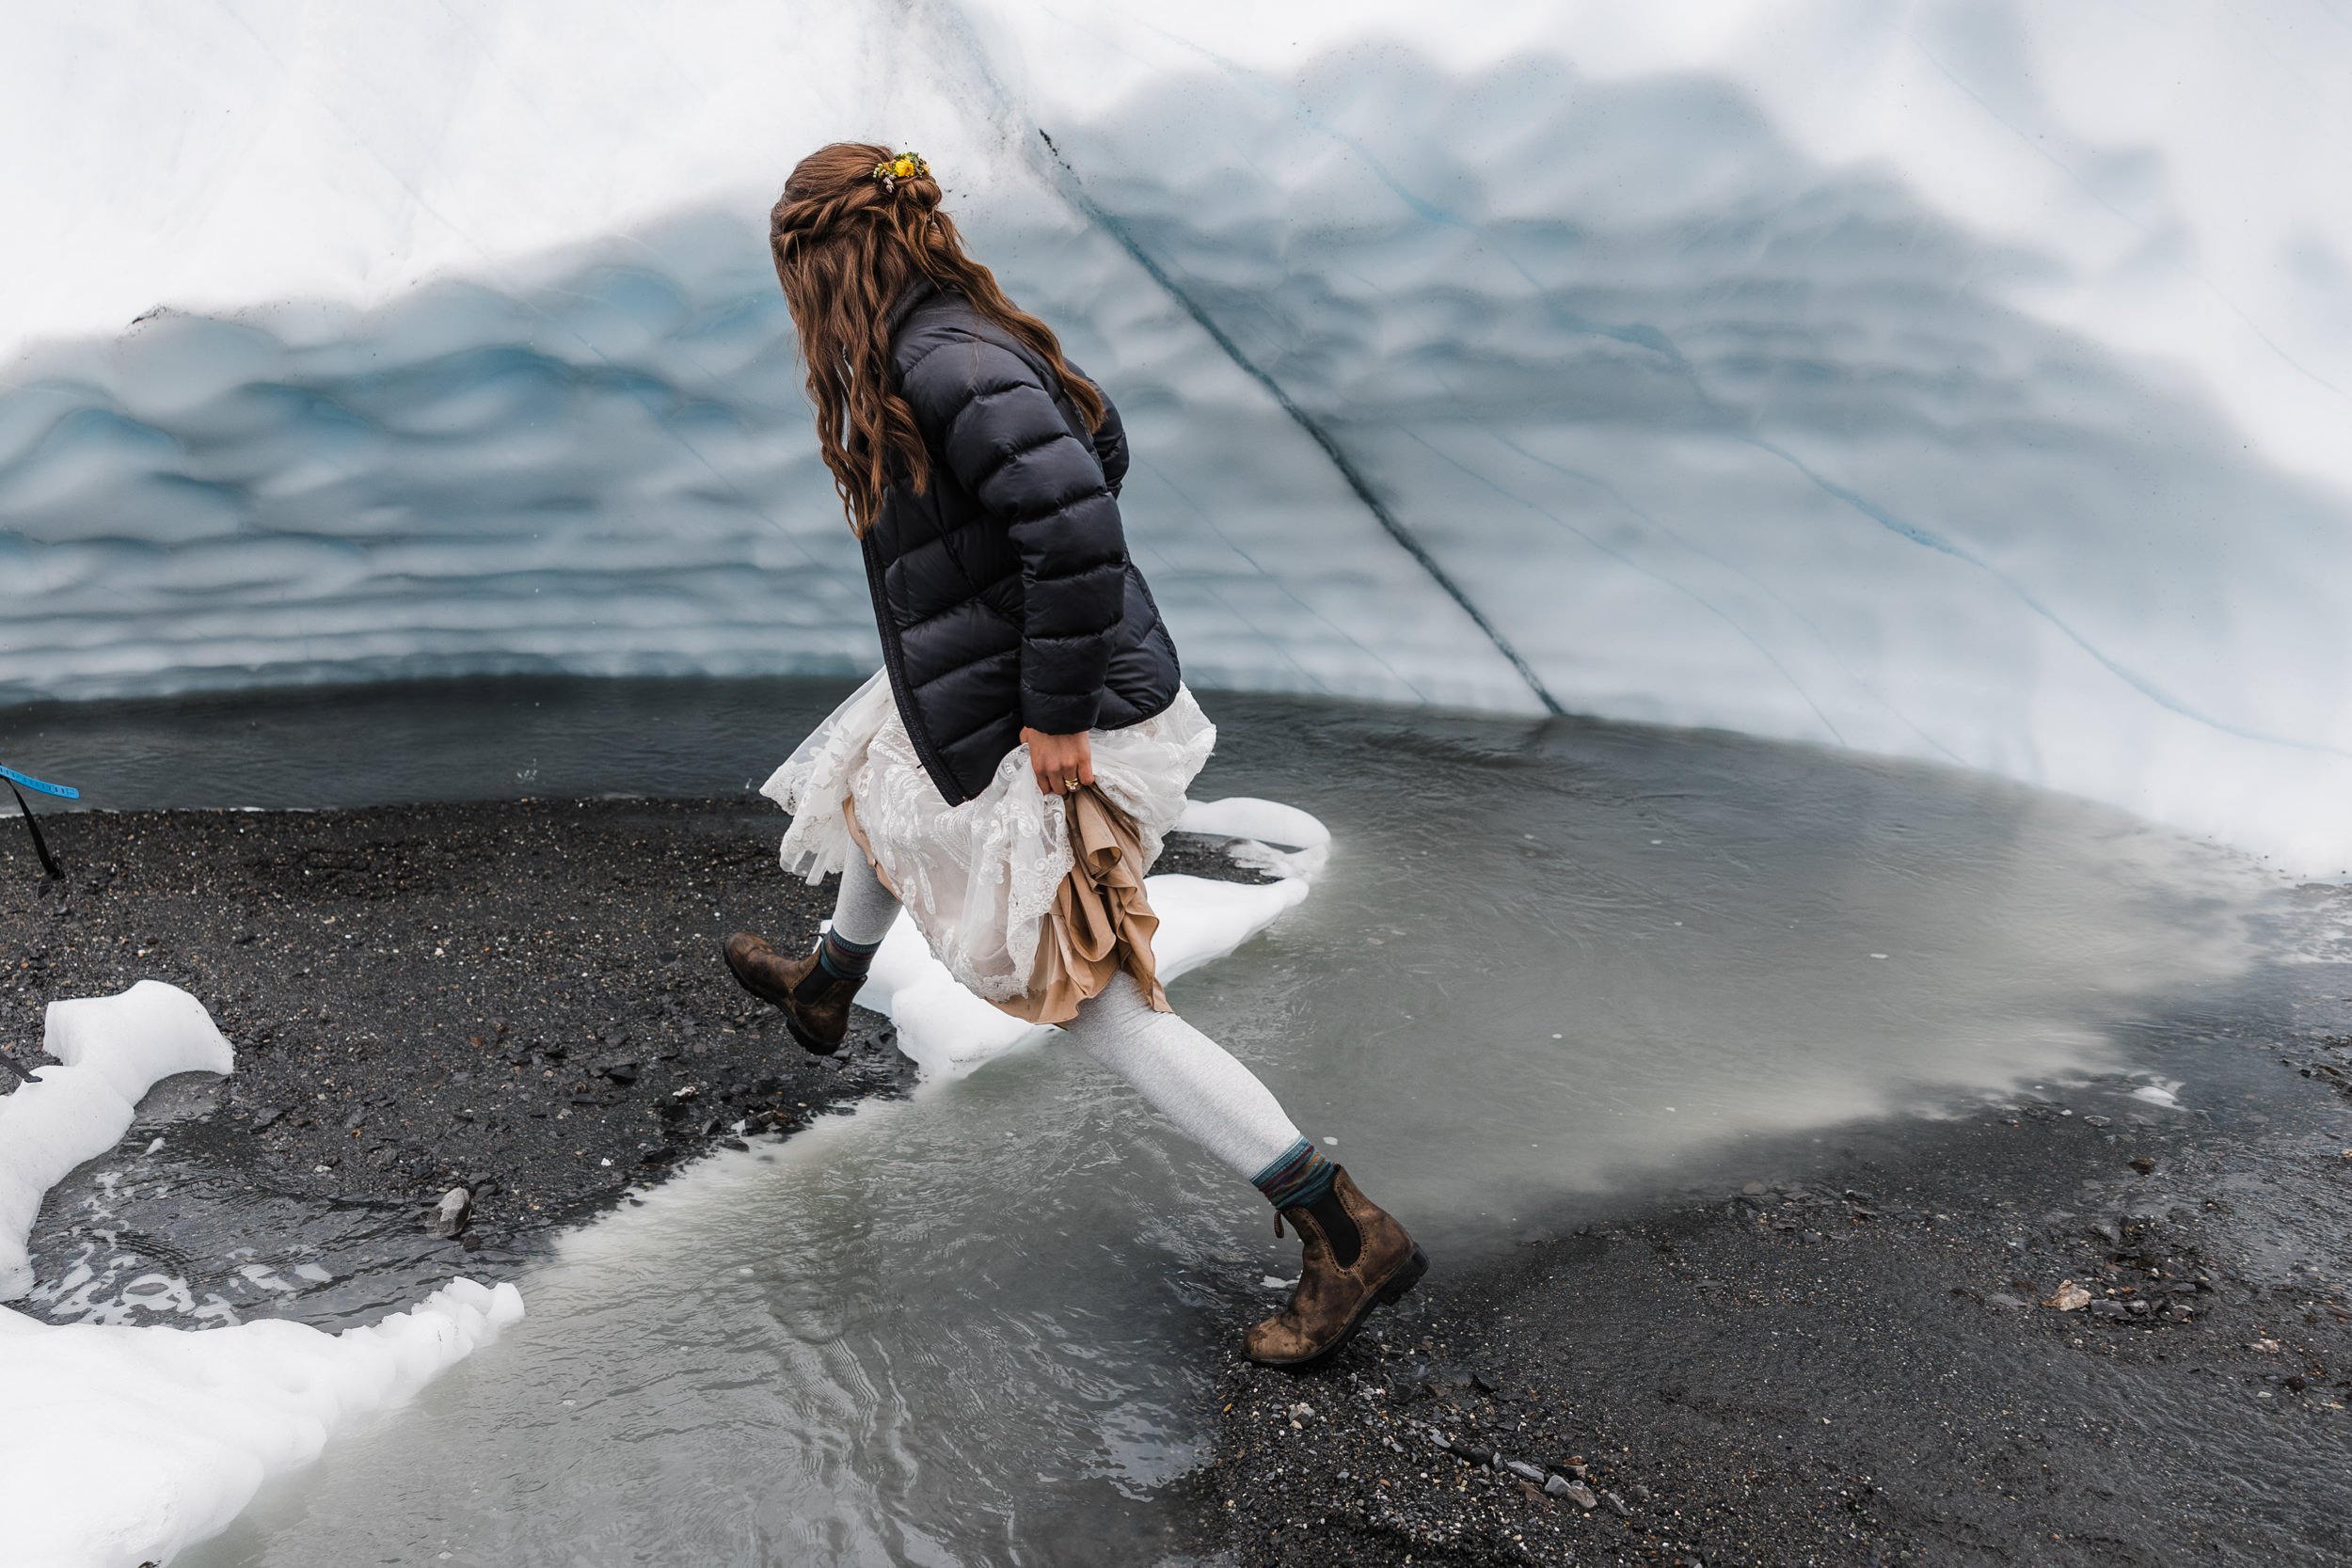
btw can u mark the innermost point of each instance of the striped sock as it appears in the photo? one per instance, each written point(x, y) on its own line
point(845, 960)
point(1299, 1177)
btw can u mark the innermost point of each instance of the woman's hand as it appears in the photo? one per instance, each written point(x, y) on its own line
point(1059, 762)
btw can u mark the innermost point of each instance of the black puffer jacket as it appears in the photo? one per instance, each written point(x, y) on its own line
point(1003, 592)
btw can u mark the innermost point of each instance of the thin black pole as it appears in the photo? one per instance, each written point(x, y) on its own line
point(41, 845)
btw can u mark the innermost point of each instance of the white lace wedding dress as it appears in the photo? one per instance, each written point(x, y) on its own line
point(980, 878)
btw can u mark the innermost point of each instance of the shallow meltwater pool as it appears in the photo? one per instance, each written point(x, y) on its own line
point(1547, 965)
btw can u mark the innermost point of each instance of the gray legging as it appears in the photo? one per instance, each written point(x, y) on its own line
point(1182, 1073)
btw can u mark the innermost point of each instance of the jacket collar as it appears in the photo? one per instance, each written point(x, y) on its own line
point(909, 297)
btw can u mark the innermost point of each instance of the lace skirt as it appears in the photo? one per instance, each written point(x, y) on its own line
point(981, 880)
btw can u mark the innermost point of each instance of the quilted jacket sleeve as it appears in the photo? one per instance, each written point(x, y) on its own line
point(990, 417)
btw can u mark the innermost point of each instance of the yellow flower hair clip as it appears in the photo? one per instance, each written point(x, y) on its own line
point(906, 165)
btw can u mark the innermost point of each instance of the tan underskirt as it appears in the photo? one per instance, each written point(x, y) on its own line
point(1100, 922)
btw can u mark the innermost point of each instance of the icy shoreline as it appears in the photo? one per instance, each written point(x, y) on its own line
point(120, 1445)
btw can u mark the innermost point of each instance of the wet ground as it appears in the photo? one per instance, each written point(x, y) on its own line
point(1554, 975)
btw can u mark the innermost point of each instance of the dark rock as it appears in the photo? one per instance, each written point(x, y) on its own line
point(1616, 1505)
point(1525, 1471)
point(450, 1214)
point(2143, 1164)
point(623, 1073)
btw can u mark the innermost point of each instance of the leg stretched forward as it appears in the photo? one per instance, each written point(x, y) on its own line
point(1356, 1258)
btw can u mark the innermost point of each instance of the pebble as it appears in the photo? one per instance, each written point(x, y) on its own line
point(1525, 1471)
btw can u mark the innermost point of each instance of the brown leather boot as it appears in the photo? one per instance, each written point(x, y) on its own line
point(1357, 1257)
point(816, 1005)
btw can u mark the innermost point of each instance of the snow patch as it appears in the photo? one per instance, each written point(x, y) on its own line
point(113, 1050)
point(121, 1445)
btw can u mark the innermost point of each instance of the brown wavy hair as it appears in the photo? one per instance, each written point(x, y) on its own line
point(846, 246)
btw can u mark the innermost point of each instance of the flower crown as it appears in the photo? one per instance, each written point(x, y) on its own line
point(906, 165)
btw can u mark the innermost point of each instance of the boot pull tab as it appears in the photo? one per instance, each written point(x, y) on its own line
point(1278, 1225)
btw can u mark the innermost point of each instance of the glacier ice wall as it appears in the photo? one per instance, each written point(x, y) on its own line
point(1954, 380)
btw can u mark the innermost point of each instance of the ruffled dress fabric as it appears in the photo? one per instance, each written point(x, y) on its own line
point(1032, 901)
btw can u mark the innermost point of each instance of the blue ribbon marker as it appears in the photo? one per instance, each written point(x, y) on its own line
point(63, 792)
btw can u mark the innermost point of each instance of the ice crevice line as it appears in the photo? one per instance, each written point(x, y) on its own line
point(1655, 339)
point(1122, 236)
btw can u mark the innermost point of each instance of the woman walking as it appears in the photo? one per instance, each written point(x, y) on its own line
point(1008, 777)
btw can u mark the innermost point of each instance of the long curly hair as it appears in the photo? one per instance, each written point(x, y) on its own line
point(846, 246)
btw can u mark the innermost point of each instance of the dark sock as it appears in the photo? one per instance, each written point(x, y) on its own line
point(844, 960)
point(1298, 1177)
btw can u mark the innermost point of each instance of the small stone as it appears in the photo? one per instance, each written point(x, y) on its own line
point(453, 1211)
point(1521, 1468)
point(2068, 1297)
point(1479, 1457)
point(2106, 1309)
point(2143, 1164)
point(1754, 1189)
point(1616, 1505)
point(623, 1073)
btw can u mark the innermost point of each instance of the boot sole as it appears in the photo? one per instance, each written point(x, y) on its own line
point(1391, 1290)
point(782, 1004)
point(808, 1041)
